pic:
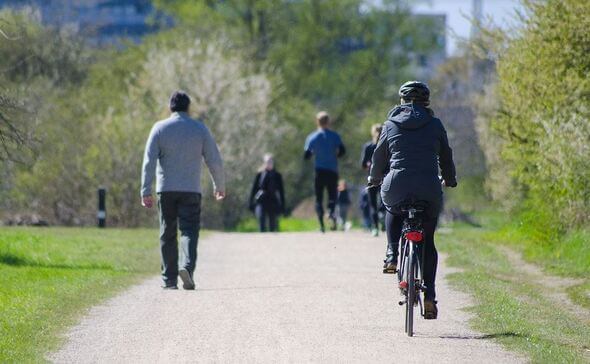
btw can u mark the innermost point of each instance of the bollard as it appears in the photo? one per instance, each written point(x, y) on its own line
point(102, 211)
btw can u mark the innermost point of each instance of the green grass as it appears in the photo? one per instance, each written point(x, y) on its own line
point(49, 275)
point(565, 254)
point(287, 224)
point(507, 306)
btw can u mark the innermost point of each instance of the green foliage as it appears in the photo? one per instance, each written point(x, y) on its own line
point(347, 57)
point(49, 275)
point(258, 71)
point(544, 93)
point(33, 62)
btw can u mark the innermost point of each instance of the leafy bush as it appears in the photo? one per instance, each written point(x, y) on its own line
point(542, 124)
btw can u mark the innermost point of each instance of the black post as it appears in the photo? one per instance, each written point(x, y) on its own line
point(102, 210)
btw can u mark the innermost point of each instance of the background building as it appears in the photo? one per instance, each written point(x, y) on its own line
point(101, 21)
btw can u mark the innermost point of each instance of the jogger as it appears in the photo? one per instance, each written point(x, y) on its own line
point(327, 147)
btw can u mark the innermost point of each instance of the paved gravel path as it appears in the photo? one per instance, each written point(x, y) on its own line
point(296, 298)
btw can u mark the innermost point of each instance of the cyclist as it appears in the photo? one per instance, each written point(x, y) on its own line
point(373, 193)
point(327, 147)
point(414, 144)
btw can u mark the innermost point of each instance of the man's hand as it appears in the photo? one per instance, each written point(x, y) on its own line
point(219, 195)
point(147, 202)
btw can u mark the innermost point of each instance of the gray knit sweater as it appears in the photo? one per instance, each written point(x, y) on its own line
point(175, 148)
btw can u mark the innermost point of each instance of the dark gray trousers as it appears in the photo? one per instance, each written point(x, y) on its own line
point(264, 213)
point(179, 211)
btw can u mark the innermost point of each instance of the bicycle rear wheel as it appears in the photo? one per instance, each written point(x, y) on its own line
point(411, 291)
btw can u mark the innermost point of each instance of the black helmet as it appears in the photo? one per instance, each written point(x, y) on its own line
point(415, 91)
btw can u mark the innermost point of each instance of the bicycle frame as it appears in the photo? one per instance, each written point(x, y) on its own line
point(410, 273)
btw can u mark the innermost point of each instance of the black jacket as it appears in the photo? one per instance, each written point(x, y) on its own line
point(272, 194)
point(414, 145)
point(367, 157)
point(367, 154)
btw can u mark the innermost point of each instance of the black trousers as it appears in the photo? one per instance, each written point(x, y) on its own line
point(264, 214)
point(373, 204)
point(325, 180)
point(393, 224)
point(179, 211)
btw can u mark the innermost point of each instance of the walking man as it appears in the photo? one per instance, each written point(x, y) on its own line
point(174, 150)
point(327, 147)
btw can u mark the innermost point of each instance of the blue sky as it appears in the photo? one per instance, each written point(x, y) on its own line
point(501, 11)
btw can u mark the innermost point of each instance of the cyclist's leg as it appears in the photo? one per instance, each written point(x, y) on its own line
point(168, 237)
point(319, 196)
point(393, 225)
point(189, 224)
point(381, 212)
point(430, 259)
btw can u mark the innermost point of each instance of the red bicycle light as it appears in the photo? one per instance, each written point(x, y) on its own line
point(414, 236)
point(403, 285)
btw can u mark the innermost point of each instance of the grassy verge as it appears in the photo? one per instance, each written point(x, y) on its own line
point(510, 308)
point(565, 254)
point(49, 275)
point(287, 224)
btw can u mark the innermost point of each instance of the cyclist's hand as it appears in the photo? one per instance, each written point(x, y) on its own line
point(373, 187)
point(219, 195)
point(147, 202)
point(372, 183)
point(447, 184)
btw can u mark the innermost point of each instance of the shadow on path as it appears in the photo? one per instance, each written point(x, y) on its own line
point(472, 337)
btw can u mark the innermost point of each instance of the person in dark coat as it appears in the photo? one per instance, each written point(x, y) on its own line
point(267, 198)
point(373, 193)
point(414, 144)
point(365, 208)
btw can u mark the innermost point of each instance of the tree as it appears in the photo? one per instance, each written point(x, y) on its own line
point(544, 97)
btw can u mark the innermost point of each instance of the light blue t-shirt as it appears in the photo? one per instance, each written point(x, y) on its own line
point(324, 144)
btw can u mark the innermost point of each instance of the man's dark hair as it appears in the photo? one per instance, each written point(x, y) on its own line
point(179, 101)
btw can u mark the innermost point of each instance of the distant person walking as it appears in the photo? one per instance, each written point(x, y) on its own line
point(327, 147)
point(267, 198)
point(373, 193)
point(365, 208)
point(343, 202)
point(174, 149)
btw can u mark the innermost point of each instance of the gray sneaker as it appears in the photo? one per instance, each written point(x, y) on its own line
point(390, 264)
point(187, 280)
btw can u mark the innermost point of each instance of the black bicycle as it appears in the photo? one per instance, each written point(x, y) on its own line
point(411, 281)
